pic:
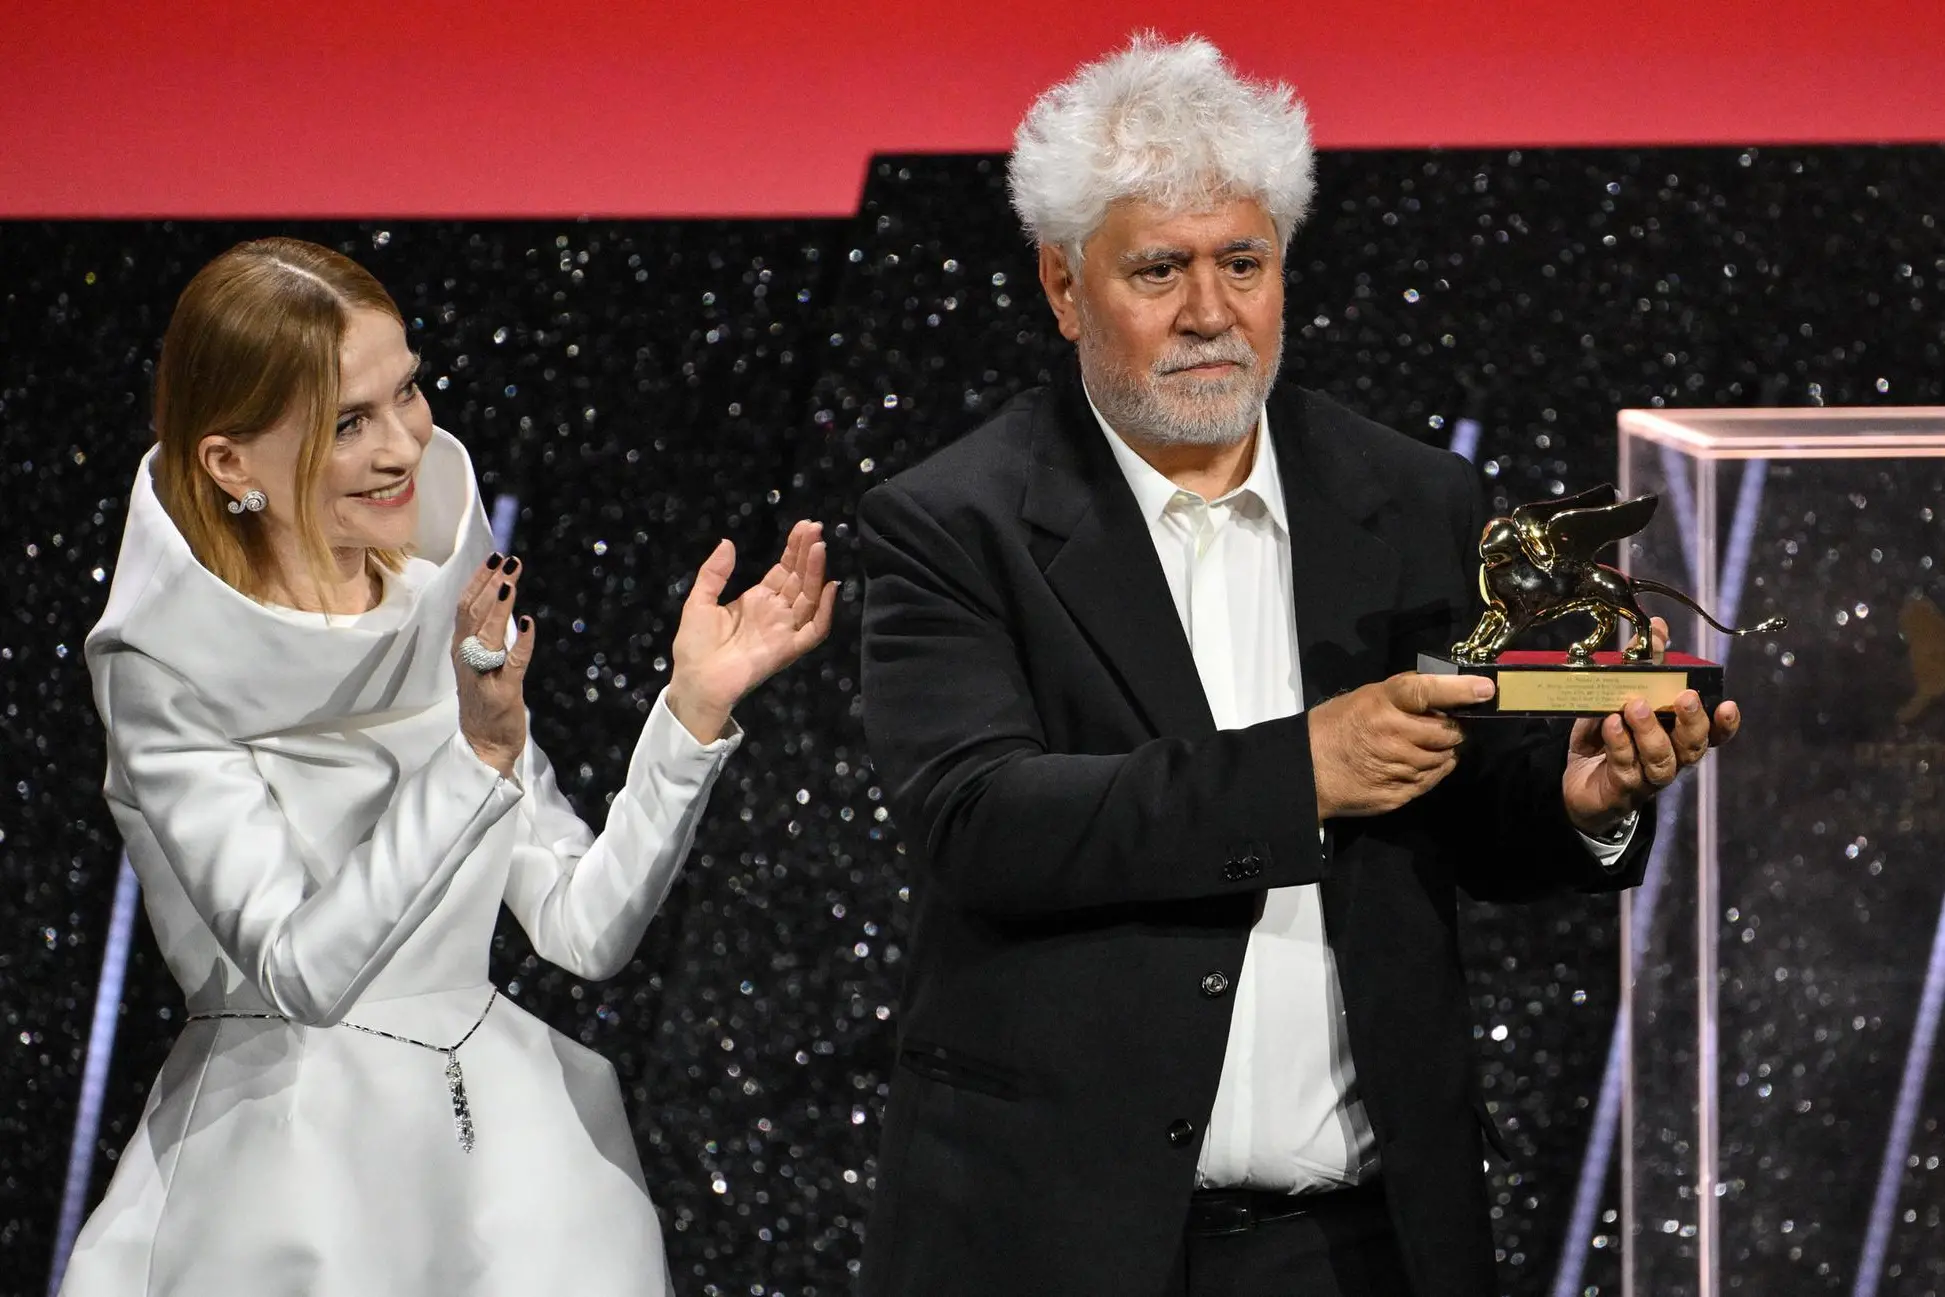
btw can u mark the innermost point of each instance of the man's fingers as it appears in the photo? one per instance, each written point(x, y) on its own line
point(1413, 762)
point(1431, 733)
point(1728, 720)
point(1623, 762)
point(1658, 635)
point(1586, 738)
point(1407, 746)
point(1691, 737)
point(1652, 746)
point(1404, 783)
point(1433, 775)
point(1415, 692)
point(713, 575)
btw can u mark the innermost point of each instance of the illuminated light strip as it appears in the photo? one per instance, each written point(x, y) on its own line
point(1465, 438)
point(1607, 1112)
point(506, 511)
point(1681, 495)
point(94, 1072)
point(1911, 1091)
point(1742, 539)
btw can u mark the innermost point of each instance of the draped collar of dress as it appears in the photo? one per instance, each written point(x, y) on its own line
point(262, 672)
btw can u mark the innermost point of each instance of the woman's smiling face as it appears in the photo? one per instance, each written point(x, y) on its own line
point(367, 496)
point(367, 493)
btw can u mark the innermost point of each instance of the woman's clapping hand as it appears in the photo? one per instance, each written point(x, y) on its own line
point(492, 705)
point(724, 650)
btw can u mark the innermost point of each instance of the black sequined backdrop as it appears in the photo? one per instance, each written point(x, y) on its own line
point(646, 388)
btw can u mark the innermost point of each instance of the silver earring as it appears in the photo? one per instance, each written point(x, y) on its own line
point(253, 501)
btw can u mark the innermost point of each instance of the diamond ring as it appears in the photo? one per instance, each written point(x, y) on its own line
point(482, 659)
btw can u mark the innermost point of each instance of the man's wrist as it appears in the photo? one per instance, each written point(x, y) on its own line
point(1614, 832)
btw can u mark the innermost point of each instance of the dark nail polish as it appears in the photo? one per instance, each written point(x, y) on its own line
point(505, 590)
point(513, 565)
point(492, 561)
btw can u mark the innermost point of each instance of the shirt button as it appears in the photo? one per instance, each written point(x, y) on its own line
point(1181, 1131)
point(1214, 984)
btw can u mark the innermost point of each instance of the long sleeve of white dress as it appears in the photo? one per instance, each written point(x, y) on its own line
point(310, 945)
point(585, 900)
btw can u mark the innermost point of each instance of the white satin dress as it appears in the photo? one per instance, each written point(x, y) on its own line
point(318, 846)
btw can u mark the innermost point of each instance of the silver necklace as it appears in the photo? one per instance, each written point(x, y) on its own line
point(462, 1112)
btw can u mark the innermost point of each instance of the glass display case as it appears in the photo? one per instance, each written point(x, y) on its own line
point(1780, 1126)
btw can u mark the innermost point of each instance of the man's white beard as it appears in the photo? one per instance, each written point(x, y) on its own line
point(1159, 410)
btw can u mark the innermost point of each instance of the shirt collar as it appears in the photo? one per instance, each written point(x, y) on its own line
point(1153, 490)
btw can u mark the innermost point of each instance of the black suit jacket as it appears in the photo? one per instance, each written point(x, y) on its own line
point(1090, 848)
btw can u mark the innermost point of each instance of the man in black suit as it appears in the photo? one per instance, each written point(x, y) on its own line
point(1185, 1013)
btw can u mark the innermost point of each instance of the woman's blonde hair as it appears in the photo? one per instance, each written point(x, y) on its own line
point(255, 337)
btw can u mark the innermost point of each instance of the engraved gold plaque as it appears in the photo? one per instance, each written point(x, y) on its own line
point(1549, 684)
point(1559, 691)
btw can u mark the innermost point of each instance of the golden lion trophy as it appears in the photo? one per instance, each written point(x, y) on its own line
point(1538, 565)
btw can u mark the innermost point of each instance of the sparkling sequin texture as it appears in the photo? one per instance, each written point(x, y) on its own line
point(644, 389)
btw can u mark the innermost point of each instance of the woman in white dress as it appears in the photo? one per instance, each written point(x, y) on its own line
point(324, 778)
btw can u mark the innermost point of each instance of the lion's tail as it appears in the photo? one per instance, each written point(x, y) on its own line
point(1656, 587)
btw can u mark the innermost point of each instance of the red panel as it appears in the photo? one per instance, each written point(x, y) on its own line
point(617, 107)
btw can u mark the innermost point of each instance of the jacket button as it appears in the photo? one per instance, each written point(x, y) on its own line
point(1181, 1131)
point(1214, 984)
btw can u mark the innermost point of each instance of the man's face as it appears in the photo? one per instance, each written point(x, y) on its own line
point(1178, 318)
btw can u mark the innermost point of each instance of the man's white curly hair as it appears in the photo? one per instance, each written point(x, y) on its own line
point(1169, 123)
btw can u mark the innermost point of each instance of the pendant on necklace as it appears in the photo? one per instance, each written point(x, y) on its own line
point(462, 1113)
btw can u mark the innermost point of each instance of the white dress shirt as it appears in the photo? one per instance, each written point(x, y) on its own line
point(1287, 1116)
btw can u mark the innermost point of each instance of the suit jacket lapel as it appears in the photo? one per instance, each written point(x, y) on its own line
point(1098, 557)
point(1344, 578)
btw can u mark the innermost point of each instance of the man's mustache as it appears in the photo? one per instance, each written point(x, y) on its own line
point(1235, 352)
